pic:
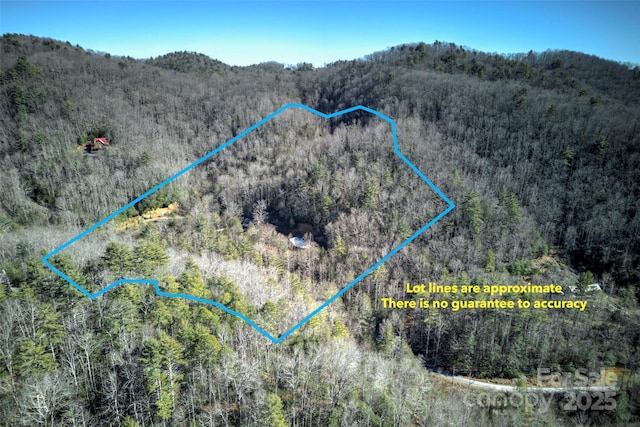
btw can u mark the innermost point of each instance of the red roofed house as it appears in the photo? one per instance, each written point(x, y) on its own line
point(97, 144)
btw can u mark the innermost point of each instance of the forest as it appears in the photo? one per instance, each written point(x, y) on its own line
point(540, 152)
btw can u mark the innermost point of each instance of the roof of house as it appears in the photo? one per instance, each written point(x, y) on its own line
point(298, 242)
point(102, 141)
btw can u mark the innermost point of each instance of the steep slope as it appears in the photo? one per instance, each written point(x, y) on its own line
point(545, 128)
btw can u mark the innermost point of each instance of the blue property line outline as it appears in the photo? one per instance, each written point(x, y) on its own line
point(45, 259)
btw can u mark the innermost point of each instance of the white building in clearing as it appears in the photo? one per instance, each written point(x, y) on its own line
point(298, 242)
point(594, 287)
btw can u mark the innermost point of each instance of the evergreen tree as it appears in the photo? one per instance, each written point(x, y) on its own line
point(162, 358)
point(473, 212)
point(272, 415)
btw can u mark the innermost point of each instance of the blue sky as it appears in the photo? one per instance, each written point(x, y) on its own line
point(243, 32)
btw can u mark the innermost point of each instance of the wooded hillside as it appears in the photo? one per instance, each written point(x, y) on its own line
point(540, 152)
